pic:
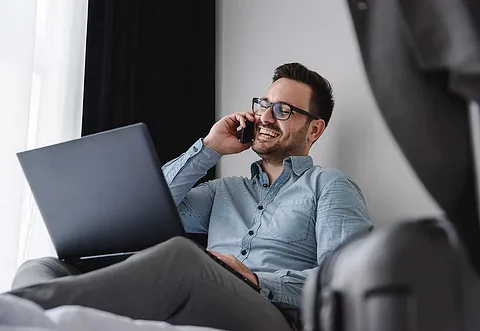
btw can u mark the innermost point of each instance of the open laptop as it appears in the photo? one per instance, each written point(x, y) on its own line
point(103, 197)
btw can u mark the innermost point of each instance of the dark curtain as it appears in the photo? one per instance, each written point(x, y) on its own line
point(154, 62)
point(423, 69)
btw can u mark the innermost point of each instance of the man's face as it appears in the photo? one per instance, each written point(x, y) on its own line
point(275, 140)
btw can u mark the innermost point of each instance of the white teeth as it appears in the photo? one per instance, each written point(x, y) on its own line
point(268, 132)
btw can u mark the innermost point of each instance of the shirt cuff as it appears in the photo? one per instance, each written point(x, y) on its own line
point(203, 154)
point(270, 286)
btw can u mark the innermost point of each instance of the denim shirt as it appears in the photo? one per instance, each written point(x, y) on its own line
point(282, 231)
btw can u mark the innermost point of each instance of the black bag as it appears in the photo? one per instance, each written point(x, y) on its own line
point(413, 276)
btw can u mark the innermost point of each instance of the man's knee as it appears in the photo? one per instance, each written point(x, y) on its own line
point(41, 270)
point(174, 247)
point(180, 242)
point(182, 247)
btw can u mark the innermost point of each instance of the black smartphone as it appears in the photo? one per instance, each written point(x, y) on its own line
point(247, 134)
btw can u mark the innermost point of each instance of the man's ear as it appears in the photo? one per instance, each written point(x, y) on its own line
point(316, 129)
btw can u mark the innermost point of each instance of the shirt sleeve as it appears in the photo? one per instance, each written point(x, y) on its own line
point(194, 204)
point(341, 213)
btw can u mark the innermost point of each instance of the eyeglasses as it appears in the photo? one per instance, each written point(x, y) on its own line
point(280, 110)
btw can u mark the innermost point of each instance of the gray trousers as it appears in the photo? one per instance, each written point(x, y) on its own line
point(174, 282)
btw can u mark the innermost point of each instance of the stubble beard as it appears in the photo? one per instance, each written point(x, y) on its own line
point(276, 153)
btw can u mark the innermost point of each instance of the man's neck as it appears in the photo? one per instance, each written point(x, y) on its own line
point(273, 170)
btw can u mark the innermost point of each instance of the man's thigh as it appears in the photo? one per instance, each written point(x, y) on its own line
point(175, 281)
point(213, 296)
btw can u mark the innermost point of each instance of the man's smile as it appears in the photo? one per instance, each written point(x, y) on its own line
point(267, 134)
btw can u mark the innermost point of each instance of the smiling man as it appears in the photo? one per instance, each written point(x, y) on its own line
point(275, 227)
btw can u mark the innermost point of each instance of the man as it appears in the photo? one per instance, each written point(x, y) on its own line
point(275, 228)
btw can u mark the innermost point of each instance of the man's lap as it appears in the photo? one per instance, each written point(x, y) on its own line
point(175, 282)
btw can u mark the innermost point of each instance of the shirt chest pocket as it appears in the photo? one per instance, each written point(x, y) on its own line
point(292, 220)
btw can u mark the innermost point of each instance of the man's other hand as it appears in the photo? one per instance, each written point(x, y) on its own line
point(237, 265)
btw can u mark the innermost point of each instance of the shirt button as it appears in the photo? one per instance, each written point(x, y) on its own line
point(195, 149)
point(260, 207)
point(251, 232)
point(244, 252)
point(265, 185)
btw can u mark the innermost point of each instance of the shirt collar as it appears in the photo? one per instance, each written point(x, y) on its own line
point(299, 164)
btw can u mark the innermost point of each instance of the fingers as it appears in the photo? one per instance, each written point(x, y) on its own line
point(224, 258)
point(250, 116)
point(219, 255)
point(241, 118)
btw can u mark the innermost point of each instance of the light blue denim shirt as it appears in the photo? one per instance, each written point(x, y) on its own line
point(282, 231)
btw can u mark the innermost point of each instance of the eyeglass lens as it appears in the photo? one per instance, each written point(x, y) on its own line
point(280, 110)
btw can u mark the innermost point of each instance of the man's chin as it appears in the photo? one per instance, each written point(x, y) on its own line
point(257, 150)
point(262, 149)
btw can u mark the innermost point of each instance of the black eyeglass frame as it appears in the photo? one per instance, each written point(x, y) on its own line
point(292, 108)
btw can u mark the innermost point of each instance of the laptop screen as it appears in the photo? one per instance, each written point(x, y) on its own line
point(102, 194)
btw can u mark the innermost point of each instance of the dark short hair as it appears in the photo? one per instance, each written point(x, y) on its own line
point(321, 102)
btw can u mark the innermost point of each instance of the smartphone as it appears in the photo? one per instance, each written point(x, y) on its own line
point(247, 134)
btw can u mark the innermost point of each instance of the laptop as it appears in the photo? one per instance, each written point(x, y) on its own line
point(103, 197)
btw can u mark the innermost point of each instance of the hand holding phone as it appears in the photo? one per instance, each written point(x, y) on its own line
point(226, 134)
point(247, 133)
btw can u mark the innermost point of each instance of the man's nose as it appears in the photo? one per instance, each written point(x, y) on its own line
point(267, 116)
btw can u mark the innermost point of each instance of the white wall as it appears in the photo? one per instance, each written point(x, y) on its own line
point(255, 36)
